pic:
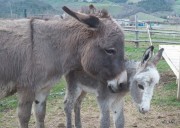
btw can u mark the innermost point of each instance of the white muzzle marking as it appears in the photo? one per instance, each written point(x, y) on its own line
point(144, 107)
point(121, 78)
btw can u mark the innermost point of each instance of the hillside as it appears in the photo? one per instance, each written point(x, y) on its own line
point(15, 8)
point(121, 9)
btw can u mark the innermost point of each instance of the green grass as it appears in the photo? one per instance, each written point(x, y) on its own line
point(59, 86)
point(8, 103)
point(163, 66)
point(170, 86)
point(166, 96)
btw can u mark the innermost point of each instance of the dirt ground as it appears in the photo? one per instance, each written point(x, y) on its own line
point(159, 116)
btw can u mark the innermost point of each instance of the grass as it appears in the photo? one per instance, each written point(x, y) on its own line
point(8, 103)
point(59, 86)
point(163, 67)
point(166, 95)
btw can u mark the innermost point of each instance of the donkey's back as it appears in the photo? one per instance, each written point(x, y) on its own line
point(14, 51)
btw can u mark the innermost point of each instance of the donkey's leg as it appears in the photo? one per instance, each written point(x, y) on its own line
point(77, 110)
point(26, 97)
point(105, 114)
point(118, 113)
point(72, 93)
point(40, 107)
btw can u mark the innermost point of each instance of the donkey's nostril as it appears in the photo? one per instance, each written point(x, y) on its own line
point(123, 87)
point(143, 110)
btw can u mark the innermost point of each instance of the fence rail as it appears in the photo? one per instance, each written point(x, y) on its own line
point(152, 31)
point(153, 36)
point(154, 41)
point(157, 33)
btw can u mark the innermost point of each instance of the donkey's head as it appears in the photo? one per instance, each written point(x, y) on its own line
point(102, 49)
point(145, 79)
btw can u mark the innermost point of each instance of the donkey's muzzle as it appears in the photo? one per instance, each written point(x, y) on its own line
point(119, 83)
point(122, 87)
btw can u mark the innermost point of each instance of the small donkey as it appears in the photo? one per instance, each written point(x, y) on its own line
point(142, 78)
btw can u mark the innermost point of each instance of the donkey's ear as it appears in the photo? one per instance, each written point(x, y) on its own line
point(158, 56)
point(90, 20)
point(147, 55)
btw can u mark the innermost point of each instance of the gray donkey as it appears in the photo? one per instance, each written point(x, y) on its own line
point(142, 78)
point(35, 53)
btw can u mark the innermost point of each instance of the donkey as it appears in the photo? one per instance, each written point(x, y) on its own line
point(35, 53)
point(142, 78)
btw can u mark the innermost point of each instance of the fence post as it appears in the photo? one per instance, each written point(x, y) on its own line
point(149, 33)
point(10, 7)
point(25, 13)
point(178, 82)
point(136, 32)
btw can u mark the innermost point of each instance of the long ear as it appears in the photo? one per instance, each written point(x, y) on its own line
point(158, 56)
point(147, 55)
point(90, 20)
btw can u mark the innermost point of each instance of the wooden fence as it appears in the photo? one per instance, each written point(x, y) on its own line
point(150, 32)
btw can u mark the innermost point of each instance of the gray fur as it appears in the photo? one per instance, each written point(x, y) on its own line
point(35, 53)
point(79, 83)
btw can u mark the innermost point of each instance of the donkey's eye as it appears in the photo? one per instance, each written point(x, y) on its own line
point(140, 86)
point(110, 51)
